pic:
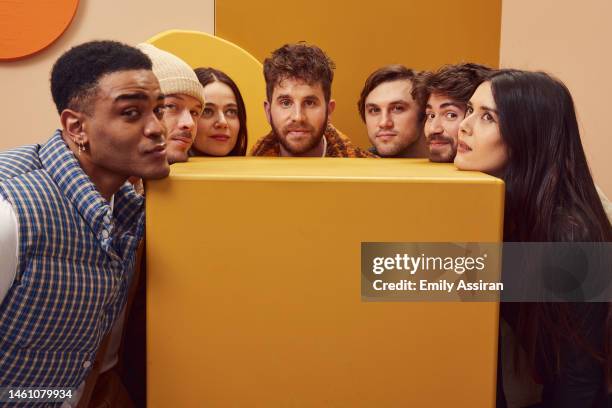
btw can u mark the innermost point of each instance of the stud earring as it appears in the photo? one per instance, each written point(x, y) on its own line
point(80, 146)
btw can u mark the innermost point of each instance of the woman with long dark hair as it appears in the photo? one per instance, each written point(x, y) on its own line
point(521, 126)
point(222, 129)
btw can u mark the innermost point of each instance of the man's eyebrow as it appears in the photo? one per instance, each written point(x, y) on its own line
point(132, 96)
point(448, 104)
point(399, 102)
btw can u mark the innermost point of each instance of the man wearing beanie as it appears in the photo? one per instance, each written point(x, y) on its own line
point(184, 100)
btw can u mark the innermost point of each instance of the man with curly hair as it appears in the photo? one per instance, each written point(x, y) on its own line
point(298, 90)
point(70, 223)
point(445, 94)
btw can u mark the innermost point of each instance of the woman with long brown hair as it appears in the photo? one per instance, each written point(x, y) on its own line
point(521, 126)
point(222, 128)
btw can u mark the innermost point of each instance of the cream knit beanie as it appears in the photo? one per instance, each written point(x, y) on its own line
point(173, 74)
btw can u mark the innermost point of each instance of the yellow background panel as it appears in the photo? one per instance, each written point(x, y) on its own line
point(254, 285)
point(204, 50)
point(363, 36)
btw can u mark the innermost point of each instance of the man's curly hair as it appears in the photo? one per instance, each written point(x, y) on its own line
point(301, 61)
point(75, 75)
point(458, 82)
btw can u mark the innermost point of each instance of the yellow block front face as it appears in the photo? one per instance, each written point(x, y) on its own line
point(254, 285)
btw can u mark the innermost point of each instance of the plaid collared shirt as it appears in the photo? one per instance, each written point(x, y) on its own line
point(75, 262)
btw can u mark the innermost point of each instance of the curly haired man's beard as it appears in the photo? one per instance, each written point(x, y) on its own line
point(447, 153)
point(300, 148)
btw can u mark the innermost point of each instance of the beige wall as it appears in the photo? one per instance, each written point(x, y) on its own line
point(28, 113)
point(571, 40)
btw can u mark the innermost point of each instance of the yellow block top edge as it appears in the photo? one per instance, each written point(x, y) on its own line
point(325, 169)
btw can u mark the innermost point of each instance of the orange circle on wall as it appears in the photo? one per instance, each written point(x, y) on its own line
point(28, 26)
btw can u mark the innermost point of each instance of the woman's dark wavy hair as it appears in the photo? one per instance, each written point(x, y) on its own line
point(210, 75)
point(550, 197)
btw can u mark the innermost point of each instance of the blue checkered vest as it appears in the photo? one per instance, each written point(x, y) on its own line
point(76, 258)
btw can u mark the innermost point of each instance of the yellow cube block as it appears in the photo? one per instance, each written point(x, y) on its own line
point(254, 285)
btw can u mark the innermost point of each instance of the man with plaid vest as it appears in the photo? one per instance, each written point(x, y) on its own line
point(69, 222)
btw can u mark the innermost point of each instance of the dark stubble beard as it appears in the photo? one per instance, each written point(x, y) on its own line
point(313, 141)
point(438, 158)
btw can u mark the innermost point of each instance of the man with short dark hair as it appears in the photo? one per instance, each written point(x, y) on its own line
point(69, 222)
point(445, 94)
point(298, 106)
point(393, 118)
